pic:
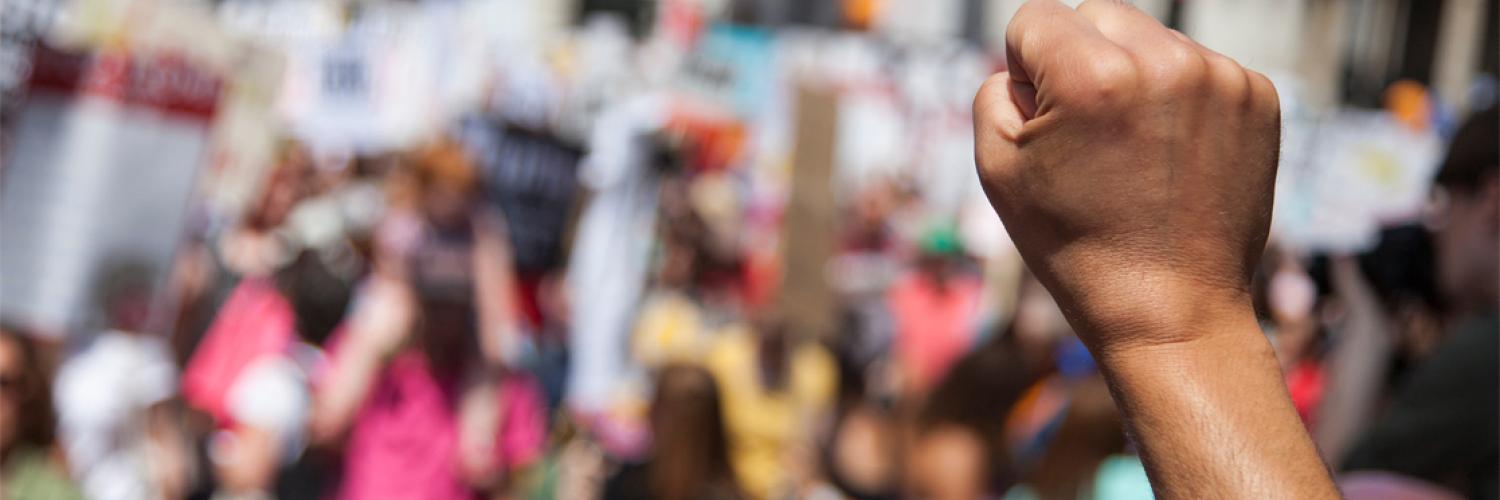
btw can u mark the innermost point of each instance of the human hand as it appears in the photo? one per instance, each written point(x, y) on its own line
point(1133, 168)
point(479, 418)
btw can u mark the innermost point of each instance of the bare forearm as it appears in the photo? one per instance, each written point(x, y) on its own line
point(1212, 418)
point(1135, 169)
point(378, 329)
point(494, 287)
point(339, 400)
point(1356, 365)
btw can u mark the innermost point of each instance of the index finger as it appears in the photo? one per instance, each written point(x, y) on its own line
point(1048, 44)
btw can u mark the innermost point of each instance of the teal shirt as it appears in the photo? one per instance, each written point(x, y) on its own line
point(1120, 477)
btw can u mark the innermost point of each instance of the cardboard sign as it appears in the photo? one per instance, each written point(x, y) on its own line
point(807, 301)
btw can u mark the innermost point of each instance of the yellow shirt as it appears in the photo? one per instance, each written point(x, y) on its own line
point(763, 425)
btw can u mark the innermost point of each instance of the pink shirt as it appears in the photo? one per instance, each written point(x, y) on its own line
point(933, 328)
point(404, 442)
point(254, 321)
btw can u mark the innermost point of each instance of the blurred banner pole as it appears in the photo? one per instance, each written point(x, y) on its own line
point(1460, 36)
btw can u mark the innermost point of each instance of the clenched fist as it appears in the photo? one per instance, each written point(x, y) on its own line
point(1134, 170)
point(1132, 167)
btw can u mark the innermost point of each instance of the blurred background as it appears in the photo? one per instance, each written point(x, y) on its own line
point(676, 249)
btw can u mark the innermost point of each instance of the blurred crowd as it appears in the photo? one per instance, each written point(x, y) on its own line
point(519, 306)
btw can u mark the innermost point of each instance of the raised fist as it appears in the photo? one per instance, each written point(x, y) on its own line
point(1132, 166)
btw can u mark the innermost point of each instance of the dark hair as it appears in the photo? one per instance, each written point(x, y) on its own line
point(691, 450)
point(318, 296)
point(37, 420)
point(122, 277)
point(977, 393)
point(1090, 431)
point(1474, 154)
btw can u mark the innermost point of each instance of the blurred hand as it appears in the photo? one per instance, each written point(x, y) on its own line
point(1132, 167)
point(479, 418)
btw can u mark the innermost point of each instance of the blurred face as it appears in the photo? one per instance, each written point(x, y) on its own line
point(131, 311)
point(948, 462)
point(677, 266)
point(10, 392)
point(937, 267)
point(446, 204)
point(1467, 243)
point(282, 192)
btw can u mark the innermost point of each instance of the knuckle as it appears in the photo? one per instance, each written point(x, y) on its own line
point(1110, 78)
point(1263, 93)
point(1180, 68)
point(1231, 81)
point(1022, 18)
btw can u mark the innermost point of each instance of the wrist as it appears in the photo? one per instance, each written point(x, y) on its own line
point(374, 354)
point(1142, 313)
point(1219, 342)
point(1216, 397)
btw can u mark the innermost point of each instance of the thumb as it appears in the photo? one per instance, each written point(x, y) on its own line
point(1022, 90)
point(1001, 107)
point(1047, 44)
point(1023, 95)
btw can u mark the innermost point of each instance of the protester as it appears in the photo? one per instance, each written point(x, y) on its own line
point(249, 373)
point(415, 392)
point(30, 465)
point(115, 395)
point(958, 448)
point(686, 249)
point(935, 310)
point(777, 390)
point(1441, 426)
point(689, 457)
point(267, 408)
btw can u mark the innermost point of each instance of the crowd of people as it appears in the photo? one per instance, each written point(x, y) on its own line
point(401, 355)
point(412, 325)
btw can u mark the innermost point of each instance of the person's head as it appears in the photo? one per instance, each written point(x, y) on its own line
point(123, 293)
point(26, 416)
point(941, 251)
point(441, 182)
point(690, 455)
point(949, 461)
point(319, 296)
point(1466, 234)
point(975, 395)
point(442, 278)
point(283, 188)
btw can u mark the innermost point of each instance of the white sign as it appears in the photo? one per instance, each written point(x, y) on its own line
point(104, 158)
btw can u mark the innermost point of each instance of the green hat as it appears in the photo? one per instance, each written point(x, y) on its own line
point(941, 240)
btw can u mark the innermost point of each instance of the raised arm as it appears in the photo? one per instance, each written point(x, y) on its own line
point(1134, 170)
